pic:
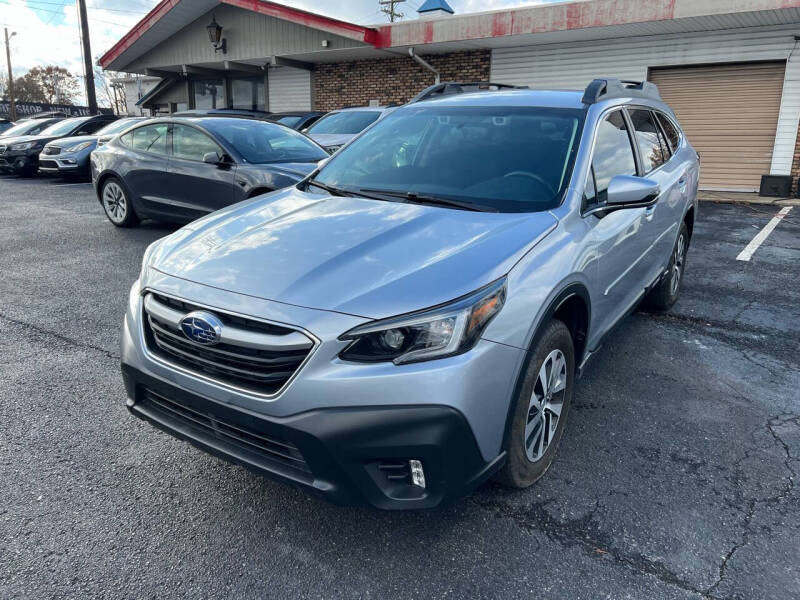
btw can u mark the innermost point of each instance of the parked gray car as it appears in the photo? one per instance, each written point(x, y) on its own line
point(70, 156)
point(410, 320)
point(338, 127)
point(180, 168)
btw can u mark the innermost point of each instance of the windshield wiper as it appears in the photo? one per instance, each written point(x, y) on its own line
point(415, 198)
point(332, 190)
point(336, 191)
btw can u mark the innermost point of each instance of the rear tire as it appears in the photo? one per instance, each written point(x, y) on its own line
point(667, 291)
point(541, 408)
point(116, 203)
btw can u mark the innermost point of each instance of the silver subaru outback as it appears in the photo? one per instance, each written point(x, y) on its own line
point(410, 319)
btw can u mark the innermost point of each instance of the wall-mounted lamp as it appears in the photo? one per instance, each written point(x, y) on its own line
point(215, 36)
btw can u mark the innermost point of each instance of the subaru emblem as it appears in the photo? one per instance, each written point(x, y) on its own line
point(202, 328)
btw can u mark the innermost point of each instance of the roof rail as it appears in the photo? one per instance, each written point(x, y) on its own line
point(610, 87)
point(449, 88)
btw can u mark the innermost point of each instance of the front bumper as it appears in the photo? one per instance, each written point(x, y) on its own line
point(53, 165)
point(345, 455)
point(19, 161)
point(344, 418)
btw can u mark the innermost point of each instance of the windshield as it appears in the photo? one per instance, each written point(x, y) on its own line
point(350, 122)
point(63, 127)
point(28, 127)
point(259, 142)
point(290, 121)
point(117, 126)
point(516, 159)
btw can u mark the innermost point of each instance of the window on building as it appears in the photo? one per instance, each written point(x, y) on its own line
point(209, 93)
point(191, 144)
point(613, 155)
point(248, 94)
point(653, 148)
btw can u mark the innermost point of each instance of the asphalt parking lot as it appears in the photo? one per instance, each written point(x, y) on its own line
point(677, 476)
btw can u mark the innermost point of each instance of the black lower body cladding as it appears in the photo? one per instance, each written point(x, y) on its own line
point(345, 455)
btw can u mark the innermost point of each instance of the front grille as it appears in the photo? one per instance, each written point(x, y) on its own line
point(48, 164)
point(252, 355)
point(268, 448)
point(51, 150)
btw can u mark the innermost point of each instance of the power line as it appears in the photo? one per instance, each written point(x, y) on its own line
point(388, 8)
point(58, 12)
point(45, 2)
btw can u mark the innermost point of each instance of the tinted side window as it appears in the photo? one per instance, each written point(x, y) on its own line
point(670, 130)
point(191, 144)
point(613, 155)
point(150, 138)
point(654, 152)
point(90, 127)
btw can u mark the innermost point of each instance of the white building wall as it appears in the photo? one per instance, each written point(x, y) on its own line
point(574, 65)
point(289, 89)
point(135, 88)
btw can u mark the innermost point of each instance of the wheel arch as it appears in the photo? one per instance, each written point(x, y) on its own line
point(572, 306)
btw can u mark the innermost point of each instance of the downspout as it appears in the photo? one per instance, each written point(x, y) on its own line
point(425, 64)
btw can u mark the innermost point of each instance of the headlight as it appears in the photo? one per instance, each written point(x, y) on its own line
point(442, 331)
point(78, 147)
point(24, 146)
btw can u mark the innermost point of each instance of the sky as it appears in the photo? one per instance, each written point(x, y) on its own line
point(47, 30)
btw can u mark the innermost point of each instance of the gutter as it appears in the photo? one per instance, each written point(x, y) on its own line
point(426, 65)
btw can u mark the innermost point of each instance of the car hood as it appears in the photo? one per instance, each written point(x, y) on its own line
point(71, 141)
point(358, 256)
point(16, 139)
point(35, 138)
point(331, 139)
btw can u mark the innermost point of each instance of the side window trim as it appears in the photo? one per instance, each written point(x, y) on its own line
point(661, 117)
point(639, 161)
point(637, 151)
point(586, 210)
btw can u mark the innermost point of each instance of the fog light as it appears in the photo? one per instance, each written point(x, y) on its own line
point(417, 473)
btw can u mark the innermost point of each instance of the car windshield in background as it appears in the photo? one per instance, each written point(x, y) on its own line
point(516, 159)
point(260, 143)
point(63, 127)
point(22, 129)
point(289, 121)
point(116, 126)
point(348, 122)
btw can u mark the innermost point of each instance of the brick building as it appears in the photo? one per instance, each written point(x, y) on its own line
point(730, 69)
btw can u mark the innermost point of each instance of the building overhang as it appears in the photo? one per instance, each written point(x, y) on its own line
point(553, 23)
point(170, 16)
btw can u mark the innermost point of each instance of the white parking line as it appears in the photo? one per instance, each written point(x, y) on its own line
point(762, 235)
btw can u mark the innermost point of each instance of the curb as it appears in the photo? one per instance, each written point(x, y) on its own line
point(744, 198)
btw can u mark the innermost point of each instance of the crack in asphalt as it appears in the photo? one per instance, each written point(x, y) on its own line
point(585, 532)
point(753, 504)
point(578, 532)
point(59, 336)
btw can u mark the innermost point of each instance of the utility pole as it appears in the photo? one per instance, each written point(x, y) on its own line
point(91, 97)
point(388, 8)
point(12, 105)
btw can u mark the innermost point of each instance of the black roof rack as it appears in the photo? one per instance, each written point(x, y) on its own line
point(448, 88)
point(610, 87)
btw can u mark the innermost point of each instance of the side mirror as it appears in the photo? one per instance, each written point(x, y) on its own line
point(212, 158)
point(627, 191)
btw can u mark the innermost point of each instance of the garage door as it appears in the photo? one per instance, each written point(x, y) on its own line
point(730, 115)
point(289, 89)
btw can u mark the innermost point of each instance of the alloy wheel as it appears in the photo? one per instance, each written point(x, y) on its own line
point(544, 409)
point(677, 264)
point(114, 202)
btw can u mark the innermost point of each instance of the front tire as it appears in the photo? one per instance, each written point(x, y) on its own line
point(117, 204)
point(667, 291)
point(541, 408)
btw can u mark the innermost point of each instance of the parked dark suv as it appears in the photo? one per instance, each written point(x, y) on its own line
point(178, 169)
point(22, 154)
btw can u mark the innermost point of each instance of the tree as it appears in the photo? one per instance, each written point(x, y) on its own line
point(25, 90)
point(58, 85)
